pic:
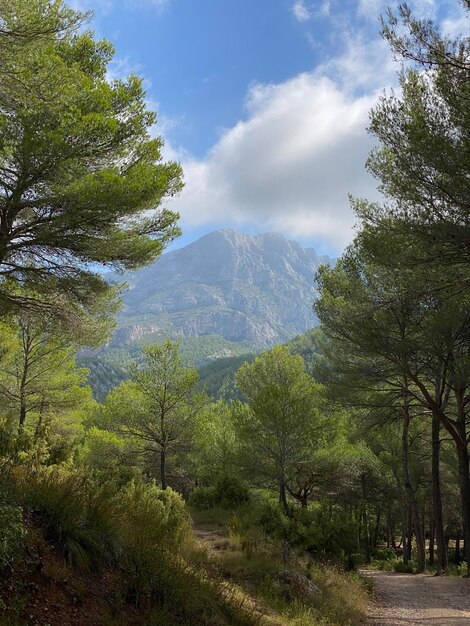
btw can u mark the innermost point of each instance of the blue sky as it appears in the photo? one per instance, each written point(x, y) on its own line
point(265, 103)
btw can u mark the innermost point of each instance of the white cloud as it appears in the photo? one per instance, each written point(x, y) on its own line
point(301, 12)
point(365, 65)
point(289, 166)
point(372, 9)
point(456, 24)
point(301, 150)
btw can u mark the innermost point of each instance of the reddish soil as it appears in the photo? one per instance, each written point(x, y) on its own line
point(44, 591)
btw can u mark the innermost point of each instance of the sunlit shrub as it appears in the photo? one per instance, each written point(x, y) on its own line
point(202, 498)
point(12, 534)
point(153, 525)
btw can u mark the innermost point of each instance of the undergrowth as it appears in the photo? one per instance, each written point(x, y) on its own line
point(136, 534)
point(252, 561)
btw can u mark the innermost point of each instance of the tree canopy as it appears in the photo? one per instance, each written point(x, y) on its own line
point(81, 174)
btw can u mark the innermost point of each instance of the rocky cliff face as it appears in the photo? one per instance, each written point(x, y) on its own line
point(258, 290)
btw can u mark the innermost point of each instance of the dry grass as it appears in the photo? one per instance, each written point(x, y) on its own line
point(249, 566)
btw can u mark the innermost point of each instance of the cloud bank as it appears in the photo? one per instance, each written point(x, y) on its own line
point(291, 164)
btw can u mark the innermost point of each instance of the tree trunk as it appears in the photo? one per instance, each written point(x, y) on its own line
point(26, 341)
point(365, 521)
point(457, 550)
point(404, 528)
point(376, 530)
point(389, 526)
point(283, 497)
point(464, 471)
point(412, 500)
point(432, 531)
point(163, 468)
point(366, 537)
point(22, 414)
point(464, 478)
point(409, 538)
point(437, 496)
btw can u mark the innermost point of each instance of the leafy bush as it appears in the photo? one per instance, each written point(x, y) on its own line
point(202, 498)
point(231, 492)
point(384, 554)
point(403, 568)
point(12, 534)
point(153, 526)
point(74, 513)
point(319, 529)
point(228, 492)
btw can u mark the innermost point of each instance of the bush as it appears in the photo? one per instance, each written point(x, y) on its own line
point(202, 498)
point(403, 568)
point(74, 513)
point(319, 529)
point(12, 534)
point(153, 526)
point(384, 554)
point(228, 492)
point(231, 492)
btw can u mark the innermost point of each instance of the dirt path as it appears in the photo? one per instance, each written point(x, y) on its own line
point(408, 600)
point(212, 538)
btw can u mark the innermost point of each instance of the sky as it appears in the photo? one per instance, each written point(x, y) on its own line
point(264, 102)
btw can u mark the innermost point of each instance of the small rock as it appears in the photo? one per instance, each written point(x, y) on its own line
point(297, 585)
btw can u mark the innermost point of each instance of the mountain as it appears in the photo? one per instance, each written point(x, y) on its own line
point(239, 292)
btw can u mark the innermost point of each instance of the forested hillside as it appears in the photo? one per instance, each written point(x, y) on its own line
point(251, 489)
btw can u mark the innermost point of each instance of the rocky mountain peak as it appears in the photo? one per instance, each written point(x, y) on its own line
point(256, 290)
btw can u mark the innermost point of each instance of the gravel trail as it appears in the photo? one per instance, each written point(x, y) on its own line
point(409, 600)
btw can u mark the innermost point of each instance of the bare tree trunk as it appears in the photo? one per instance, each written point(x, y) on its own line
point(464, 477)
point(432, 530)
point(389, 526)
point(365, 521)
point(409, 538)
point(163, 467)
point(26, 340)
point(376, 530)
point(404, 529)
point(283, 497)
point(438, 520)
point(412, 500)
point(464, 471)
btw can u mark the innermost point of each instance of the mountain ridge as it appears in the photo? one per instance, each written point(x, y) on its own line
point(254, 290)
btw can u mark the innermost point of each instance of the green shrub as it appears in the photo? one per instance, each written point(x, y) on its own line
point(320, 530)
point(403, 568)
point(75, 513)
point(384, 554)
point(231, 492)
point(153, 526)
point(228, 492)
point(202, 498)
point(12, 534)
